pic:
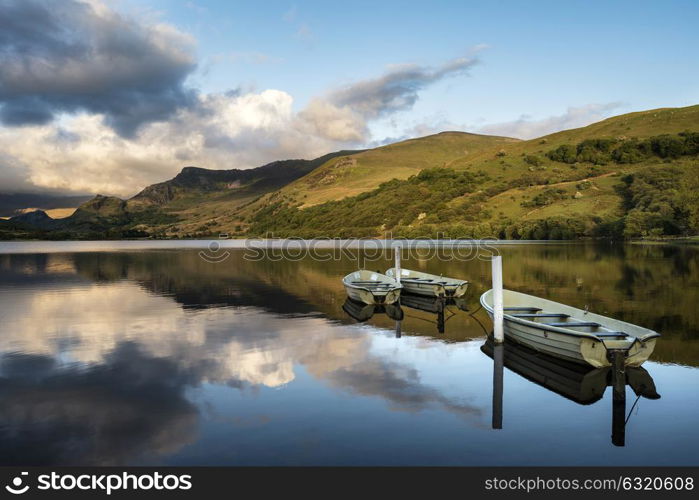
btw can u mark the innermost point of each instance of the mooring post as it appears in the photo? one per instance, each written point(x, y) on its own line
point(498, 364)
point(498, 313)
point(396, 251)
point(618, 398)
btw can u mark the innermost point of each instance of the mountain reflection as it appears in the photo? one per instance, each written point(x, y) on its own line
point(96, 372)
point(143, 357)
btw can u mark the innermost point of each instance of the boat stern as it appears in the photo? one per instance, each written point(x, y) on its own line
point(457, 291)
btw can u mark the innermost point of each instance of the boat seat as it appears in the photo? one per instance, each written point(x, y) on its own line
point(541, 315)
point(574, 324)
point(611, 334)
point(521, 309)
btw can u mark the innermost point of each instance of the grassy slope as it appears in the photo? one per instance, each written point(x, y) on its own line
point(601, 199)
point(212, 207)
point(505, 163)
point(351, 175)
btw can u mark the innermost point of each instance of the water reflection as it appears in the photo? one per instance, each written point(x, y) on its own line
point(130, 405)
point(362, 312)
point(157, 357)
point(582, 384)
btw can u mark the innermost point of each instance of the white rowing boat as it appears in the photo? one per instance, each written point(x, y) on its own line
point(429, 284)
point(371, 287)
point(570, 333)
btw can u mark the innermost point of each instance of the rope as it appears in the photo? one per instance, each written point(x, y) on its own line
point(631, 410)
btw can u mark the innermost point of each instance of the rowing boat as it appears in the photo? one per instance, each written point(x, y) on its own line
point(371, 287)
point(570, 333)
point(429, 284)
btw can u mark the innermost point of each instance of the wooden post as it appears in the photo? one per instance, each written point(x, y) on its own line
point(618, 398)
point(498, 313)
point(498, 364)
point(397, 266)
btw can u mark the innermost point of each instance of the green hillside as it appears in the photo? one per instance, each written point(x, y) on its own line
point(354, 174)
point(629, 176)
point(633, 175)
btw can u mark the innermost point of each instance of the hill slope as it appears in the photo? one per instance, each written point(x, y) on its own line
point(628, 176)
point(607, 179)
point(360, 172)
point(190, 202)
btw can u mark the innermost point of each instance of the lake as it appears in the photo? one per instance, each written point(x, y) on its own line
point(137, 353)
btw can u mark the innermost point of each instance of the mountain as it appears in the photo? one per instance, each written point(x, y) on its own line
point(633, 175)
point(187, 202)
point(227, 185)
point(354, 174)
point(11, 204)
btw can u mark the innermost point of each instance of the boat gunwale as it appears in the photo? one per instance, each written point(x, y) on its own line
point(452, 282)
point(567, 331)
point(394, 286)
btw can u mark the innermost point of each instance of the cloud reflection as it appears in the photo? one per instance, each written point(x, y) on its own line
point(99, 371)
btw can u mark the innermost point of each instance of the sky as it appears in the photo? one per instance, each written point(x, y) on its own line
point(107, 97)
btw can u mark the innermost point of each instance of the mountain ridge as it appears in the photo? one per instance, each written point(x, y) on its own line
point(582, 182)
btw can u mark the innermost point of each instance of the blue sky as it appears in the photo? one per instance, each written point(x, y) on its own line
point(540, 57)
point(109, 96)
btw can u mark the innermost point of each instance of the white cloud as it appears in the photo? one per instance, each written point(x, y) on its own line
point(82, 153)
point(527, 128)
point(524, 127)
point(94, 101)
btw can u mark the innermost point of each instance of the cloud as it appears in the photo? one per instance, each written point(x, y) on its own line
point(235, 129)
point(304, 33)
point(71, 56)
point(344, 113)
point(94, 101)
point(522, 128)
point(527, 128)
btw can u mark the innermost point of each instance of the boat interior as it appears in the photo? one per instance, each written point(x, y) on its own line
point(373, 285)
point(563, 320)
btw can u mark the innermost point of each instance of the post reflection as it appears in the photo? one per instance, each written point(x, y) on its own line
point(582, 384)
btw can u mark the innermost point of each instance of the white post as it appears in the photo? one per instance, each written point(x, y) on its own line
point(498, 312)
point(397, 266)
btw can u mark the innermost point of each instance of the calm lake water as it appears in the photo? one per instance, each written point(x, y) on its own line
point(111, 354)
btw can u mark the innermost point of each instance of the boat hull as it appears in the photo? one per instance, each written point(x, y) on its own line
point(579, 348)
point(371, 287)
point(372, 298)
point(414, 282)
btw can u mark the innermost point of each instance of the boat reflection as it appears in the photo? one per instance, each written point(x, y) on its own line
point(362, 312)
point(439, 306)
point(577, 382)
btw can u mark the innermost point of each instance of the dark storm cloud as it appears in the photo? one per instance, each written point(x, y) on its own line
point(70, 56)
